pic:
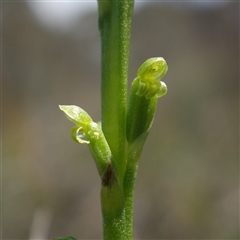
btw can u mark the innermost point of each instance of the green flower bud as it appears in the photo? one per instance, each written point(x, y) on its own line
point(149, 74)
point(145, 91)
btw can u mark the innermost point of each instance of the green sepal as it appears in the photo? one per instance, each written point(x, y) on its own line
point(76, 115)
point(153, 69)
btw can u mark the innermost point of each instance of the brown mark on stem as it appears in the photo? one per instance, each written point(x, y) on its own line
point(108, 176)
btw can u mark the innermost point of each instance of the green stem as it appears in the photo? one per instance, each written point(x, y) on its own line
point(129, 182)
point(130, 178)
point(115, 25)
point(113, 209)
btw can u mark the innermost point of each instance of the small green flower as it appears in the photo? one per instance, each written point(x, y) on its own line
point(149, 74)
point(89, 132)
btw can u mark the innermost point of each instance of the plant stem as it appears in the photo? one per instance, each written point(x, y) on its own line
point(129, 183)
point(115, 26)
point(130, 178)
point(113, 209)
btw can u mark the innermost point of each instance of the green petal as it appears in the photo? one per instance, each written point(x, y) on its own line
point(78, 135)
point(163, 90)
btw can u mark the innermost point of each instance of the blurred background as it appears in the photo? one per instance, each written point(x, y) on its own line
point(188, 179)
